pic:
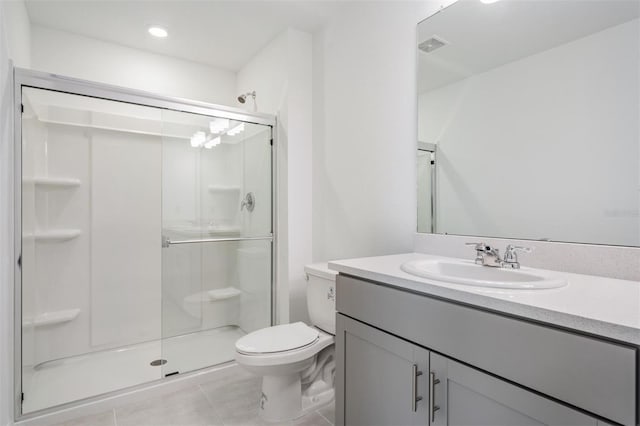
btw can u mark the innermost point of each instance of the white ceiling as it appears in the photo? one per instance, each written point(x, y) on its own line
point(484, 36)
point(224, 34)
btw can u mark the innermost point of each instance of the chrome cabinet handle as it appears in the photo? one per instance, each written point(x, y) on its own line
point(432, 395)
point(415, 398)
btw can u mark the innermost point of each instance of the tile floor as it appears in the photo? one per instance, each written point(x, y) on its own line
point(226, 401)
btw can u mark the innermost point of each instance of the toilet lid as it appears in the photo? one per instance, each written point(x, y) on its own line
point(279, 338)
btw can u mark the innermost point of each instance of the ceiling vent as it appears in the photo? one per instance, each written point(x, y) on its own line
point(432, 44)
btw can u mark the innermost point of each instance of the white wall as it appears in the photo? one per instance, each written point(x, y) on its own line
point(17, 32)
point(364, 124)
point(558, 140)
point(6, 230)
point(91, 59)
point(281, 76)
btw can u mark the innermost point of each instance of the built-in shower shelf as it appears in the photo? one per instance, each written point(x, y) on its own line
point(223, 293)
point(52, 182)
point(54, 235)
point(51, 318)
point(207, 296)
point(222, 188)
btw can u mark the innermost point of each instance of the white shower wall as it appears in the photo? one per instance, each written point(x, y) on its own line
point(111, 270)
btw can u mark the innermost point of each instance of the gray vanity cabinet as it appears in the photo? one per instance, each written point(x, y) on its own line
point(483, 367)
point(385, 379)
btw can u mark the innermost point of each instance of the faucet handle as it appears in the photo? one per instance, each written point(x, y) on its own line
point(511, 255)
point(512, 249)
point(477, 246)
point(480, 248)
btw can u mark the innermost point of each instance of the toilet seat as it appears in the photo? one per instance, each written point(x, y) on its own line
point(302, 353)
point(280, 338)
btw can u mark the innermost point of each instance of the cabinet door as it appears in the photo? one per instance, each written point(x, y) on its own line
point(465, 396)
point(381, 379)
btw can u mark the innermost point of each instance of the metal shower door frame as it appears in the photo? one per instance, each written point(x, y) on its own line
point(40, 80)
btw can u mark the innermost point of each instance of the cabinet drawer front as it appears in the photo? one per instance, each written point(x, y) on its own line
point(467, 396)
point(589, 373)
point(383, 379)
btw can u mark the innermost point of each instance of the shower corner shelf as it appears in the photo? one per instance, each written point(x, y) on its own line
point(52, 182)
point(51, 318)
point(53, 235)
point(223, 293)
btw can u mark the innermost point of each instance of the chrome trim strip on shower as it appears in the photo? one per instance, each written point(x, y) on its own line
point(42, 80)
point(17, 246)
point(274, 222)
point(434, 188)
point(166, 242)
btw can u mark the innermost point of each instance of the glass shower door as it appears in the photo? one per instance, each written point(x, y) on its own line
point(91, 256)
point(216, 230)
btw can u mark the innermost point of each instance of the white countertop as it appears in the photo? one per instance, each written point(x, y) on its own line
point(602, 306)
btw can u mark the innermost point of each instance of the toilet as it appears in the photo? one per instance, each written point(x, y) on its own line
point(296, 361)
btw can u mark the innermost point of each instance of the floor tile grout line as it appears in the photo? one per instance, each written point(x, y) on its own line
point(325, 417)
point(211, 404)
point(321, 415)
point(330, 404)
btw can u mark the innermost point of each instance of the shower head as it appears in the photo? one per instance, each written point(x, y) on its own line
point(243, 98)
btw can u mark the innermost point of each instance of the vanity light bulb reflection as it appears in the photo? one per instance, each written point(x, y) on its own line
point(239, 128)
point(219, 125)
point(198, 139)
point(212, 142)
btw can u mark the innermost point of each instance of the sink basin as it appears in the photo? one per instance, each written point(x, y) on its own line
point(468, 273)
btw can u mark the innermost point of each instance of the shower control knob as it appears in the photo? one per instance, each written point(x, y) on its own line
point(249, 202)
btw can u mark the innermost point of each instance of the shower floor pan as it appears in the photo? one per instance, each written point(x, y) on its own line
point(70, 379)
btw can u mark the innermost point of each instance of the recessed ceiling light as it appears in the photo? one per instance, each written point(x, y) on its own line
point(158, 32)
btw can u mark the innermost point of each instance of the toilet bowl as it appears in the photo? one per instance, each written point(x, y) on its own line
point(296, 361)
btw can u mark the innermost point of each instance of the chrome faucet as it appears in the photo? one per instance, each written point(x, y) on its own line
point(511, 256)
point(486, 255)
point(490, 256)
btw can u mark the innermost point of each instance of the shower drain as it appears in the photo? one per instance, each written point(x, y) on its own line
point(158, 362)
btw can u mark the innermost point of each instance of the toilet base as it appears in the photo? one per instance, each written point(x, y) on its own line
point(282, 400)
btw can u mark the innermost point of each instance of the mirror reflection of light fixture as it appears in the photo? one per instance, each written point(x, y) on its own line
point(219, 125)
point(212, 142)
point(198, 139)
point(239, 128)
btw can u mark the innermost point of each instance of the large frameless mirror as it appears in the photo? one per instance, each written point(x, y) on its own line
point(532, 110)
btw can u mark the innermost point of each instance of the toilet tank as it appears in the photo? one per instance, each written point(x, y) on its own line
point(321, 296)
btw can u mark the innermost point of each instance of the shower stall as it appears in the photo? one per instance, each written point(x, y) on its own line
point(144, 236)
